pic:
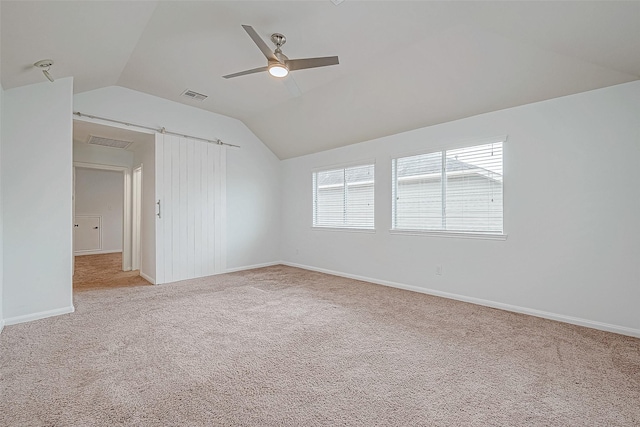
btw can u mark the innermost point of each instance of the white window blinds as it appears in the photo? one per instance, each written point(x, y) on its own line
point(455, 190)
point(344, 198)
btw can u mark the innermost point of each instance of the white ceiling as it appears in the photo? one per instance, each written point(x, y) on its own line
point(403, 65)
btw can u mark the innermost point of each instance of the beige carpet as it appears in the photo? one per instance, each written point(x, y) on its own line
point(103, 271)
point(281, 346)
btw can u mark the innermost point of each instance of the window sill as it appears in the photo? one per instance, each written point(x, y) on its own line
point(451, 234)
point(348, 230)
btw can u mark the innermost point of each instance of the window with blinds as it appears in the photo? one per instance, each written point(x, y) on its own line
point(455, 190)
point(343, 198)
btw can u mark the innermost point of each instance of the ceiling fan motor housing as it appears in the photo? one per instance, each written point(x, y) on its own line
point(278, 39)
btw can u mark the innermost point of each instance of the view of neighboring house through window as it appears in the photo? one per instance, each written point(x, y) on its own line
point(455, 190)
point(343, 198)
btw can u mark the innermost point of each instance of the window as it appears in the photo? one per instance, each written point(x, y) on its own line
point(455, 190)
point(343, 198)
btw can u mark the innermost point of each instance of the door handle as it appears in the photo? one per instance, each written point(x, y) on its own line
point(95, 228)
point(75, 225)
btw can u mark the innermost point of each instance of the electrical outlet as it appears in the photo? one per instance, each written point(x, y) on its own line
point(438, 270)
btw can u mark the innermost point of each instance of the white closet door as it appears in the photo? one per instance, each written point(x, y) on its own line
point(190, 188)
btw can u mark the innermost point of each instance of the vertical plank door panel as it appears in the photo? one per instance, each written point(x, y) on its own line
point(160, 221)
point(190, 183)
point(192, 205)
point(197, 182)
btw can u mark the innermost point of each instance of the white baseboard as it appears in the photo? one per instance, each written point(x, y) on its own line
point(40, 315)
point(251, 267)
point(623, 330)
point(100, 252)
point(1, 325)
point(147, 278)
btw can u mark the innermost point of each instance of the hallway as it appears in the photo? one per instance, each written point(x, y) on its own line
point(104, 271)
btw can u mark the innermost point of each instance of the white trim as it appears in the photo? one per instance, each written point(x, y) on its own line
point(251, 267)
point(126, 221)
point(136, 217)
point(345, 165)
point(1, 325)
point(147, 278)
point(347, 229)
point(100, 166)
point(450, 234)
point(100, 252)
point(446, 146)
point(36, 316)
point(623, 330)
point(126, 209)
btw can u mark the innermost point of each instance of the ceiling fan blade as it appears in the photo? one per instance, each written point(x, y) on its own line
point(301, 64)
point(244, 73)
point(292, 86)
point(260, 43)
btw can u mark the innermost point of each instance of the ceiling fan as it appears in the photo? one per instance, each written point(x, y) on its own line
point(278, 65)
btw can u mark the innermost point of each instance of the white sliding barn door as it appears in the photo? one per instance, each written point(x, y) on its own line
point(190, 220)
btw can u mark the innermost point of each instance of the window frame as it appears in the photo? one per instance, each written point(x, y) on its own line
point(442, 149)
point(343, 167)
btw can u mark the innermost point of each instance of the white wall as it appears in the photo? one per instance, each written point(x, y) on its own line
point(36, 188)
point(253, 186)
point(144, 154)
point(88, 153)
point(1, 219)
point(571, 209)
point(101, 192)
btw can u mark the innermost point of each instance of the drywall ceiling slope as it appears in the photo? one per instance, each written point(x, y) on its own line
point(91, 41)
point(192, 45)
point(403, 65)
point(464, 72)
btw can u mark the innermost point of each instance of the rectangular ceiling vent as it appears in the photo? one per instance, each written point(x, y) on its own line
point(108, 142)
point(194, 95)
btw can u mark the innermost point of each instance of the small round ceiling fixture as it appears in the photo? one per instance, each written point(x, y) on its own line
point(45, 65)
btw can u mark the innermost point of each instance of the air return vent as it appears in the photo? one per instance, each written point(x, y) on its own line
point(194, 95)
point(107, 142)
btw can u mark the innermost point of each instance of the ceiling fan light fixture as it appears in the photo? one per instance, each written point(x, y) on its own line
point(278, 70)
point(278, 65)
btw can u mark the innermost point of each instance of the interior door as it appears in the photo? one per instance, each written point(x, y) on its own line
point(190, 217)
point(87, 233)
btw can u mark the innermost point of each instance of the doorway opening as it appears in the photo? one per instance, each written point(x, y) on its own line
point(107, 205)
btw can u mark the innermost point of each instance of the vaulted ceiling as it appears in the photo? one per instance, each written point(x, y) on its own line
point(403, 65)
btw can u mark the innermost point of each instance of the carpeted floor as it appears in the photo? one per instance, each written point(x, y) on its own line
point(281, 346)
point(103, 271)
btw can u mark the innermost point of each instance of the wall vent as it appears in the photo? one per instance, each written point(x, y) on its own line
point(194, 95)
point(108, 142)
